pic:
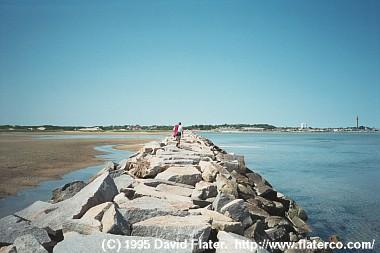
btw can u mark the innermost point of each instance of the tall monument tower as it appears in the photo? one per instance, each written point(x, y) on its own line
point(357, 121)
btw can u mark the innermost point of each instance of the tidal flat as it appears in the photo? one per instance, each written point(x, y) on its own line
point(26, 159)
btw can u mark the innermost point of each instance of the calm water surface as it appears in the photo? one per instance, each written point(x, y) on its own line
point(333, 176)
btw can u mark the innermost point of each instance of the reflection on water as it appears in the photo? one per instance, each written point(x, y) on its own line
point(43, 191)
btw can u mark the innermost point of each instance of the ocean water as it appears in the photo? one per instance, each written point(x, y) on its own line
point(335, 177)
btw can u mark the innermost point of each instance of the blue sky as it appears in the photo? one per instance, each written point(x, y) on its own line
point(199, 62)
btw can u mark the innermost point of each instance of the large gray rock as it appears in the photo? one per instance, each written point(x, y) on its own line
point(175, 228)
point(204, 190)
point(181, 202)
point(89, 223)
point(204, 193)
point(272, 207)
point(221, 200)
point(147, 202)
point(240, 178)
point(96, 212)
point(202, 151)
point(238, 212)
point(174, 189)
point(233, 162)
point(67, 191)
point(171, 151)
point(124, 181)
point(257, 231)
point(152, 147)
point(123, 198)
point(230, 165)
point(220, 222)
point(29, 243)
point(154, 182)
point(104, 217)
point(227, 186)
point(255, 179)
point(274, 221)
point(12, 227)
point(296, 210)
point(142, 190)
point(102, 189)
point(300, 225)
point(278, 234)
point(35, 210)
point(256, 211)
point(8, 249)
point(298, 217)
point(209, 171)
point(113, 222)
point(144, 168)
point(266, 191)
point(81, 226)
point(168, 157)
point(109, 168)
point(245, 191)
point(185, 175)
point(180, 161)
point(123, 164)
point(101, 242)
point(144, 208)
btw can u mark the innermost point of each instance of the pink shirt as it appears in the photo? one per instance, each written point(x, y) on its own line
point(175, 129)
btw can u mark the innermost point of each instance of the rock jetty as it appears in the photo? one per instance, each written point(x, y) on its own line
point(196, 198)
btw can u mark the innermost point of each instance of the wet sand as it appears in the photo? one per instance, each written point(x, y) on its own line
point(26, 160)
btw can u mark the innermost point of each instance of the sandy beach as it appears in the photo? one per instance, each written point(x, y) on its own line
point(26, 160)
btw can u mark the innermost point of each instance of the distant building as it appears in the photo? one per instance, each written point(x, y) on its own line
point(134, 127)
point(303, 125)
point(252, 129)
point(90, 129)
point(41, 128)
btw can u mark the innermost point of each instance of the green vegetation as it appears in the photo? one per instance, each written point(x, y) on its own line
point(231, 127)
point(6, 128)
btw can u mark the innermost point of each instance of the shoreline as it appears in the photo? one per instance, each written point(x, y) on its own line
point(285, 132)
point(26, 161)
point(183, 182)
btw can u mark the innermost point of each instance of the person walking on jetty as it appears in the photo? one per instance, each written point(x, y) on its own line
point(178, 132)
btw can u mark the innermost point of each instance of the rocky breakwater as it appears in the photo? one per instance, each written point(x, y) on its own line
point(196, 198)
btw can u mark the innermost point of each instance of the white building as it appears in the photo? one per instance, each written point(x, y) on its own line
point(303, 125)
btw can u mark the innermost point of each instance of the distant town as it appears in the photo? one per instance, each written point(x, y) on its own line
point(216, 128)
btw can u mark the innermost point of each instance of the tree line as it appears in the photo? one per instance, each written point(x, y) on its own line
point(201, 127)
